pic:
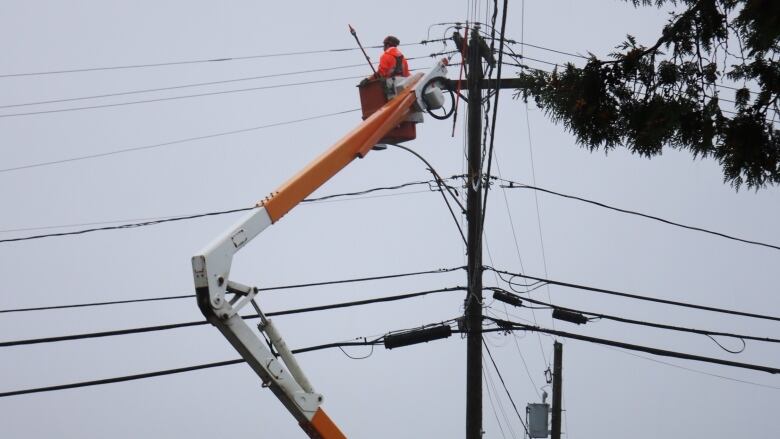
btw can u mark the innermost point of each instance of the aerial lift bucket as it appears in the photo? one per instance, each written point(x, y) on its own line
point(372, 98)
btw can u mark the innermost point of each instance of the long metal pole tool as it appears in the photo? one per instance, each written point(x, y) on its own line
point(354, 34)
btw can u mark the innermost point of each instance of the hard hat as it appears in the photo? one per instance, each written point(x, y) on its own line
point(391, 41)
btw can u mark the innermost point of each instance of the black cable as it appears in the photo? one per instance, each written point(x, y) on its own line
point(575, 55)
point(516, 185)
point(650, 324)
point(174, 142)
point(349, 195)
point(197, 84)
point(120, 379)
point(337, 345)
point(361, 302)
point(435, 174)
point(127, 226)
point(177, 87)
point(495, 114)
point(510, 326)
point(735, 351)
point(178, 370)
point(370, 353)
point(638, 297)
point(169, 371)
point(199, 61)
point(521, 43)
point(723, 377)
point(200, 215)
point(503, 383)
point(172, 98)
point(113, 333)
point(83, 305)
point(440, 182)
point(267, 289)
point(429, 183)
point(313, 201)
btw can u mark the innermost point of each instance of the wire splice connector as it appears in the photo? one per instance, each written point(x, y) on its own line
point(417, 336)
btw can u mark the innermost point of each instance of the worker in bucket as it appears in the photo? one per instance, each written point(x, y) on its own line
point(392, 66)
point(392, 62)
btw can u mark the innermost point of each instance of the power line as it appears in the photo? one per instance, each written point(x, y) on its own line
point(503, 384)
point(524, 44)
point(266, 289)
point(488, 379)
point(638, 297)
point(177, 87)
point(202, 215)
point(175, 142)
point(516, 185)
point(126, 226)
point(197, 84)
point(170, 326)
point(646, 323)
point(715, 375)
point(172, 98)
point(331, 199)
point(366, 342)
point(120, 379)
point(442, 186)
point(172, 371)
point(200, 61)
point(510, 326)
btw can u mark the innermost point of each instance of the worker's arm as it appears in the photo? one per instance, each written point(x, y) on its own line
point(211, 267)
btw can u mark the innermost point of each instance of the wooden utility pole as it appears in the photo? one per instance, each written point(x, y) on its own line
point(557, 390)
point(473, 314)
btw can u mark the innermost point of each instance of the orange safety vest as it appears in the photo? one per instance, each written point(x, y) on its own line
point(392, 63)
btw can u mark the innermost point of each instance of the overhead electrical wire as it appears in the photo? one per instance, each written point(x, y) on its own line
point(639, 297)
point(331, 199)
point(177, 87)
point(201, 61)
point(516, 185)
point(367, 342)
point(442, 186)
point(173, 98)
point(126, 226)
point(202, 215)
point(597, 315)
point(488, 380)
point(504, 325)
point(120, 379)
point(171, 371)
point(197, 84)
point(174, 142)
point(503, 384)
point(501, 51)
point(495, 112)
point(701, 372)
point(167, 327)
point(264, 289)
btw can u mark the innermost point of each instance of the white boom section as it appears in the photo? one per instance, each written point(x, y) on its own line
point(211, 269)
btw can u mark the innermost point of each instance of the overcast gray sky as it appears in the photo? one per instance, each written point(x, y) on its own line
point(417, 391)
